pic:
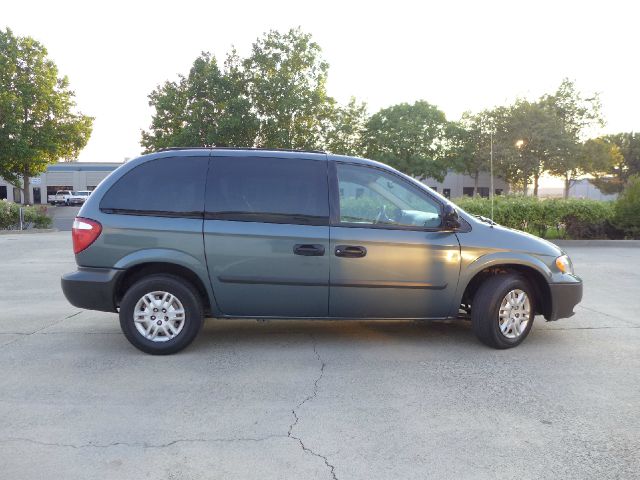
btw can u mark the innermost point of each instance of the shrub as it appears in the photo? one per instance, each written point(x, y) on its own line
point(34, 216)
point(627, 209)
point(575, 218)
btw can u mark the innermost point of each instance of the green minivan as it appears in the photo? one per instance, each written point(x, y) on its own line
point(179, 235)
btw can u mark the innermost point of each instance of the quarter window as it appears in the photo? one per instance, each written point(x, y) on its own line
point(369, 196)
point(172, 186)
point(270, 190)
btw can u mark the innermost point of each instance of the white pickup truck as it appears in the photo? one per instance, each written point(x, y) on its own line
point(69, 197)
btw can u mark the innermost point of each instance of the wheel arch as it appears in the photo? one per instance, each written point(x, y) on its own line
point(143, 269)
point(534, 271)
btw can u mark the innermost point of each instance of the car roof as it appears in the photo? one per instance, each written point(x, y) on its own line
point(263, 152)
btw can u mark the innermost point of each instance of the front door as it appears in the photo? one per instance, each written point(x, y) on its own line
point(389, 257)
point(266, 234)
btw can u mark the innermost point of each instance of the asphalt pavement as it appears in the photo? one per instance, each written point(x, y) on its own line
point(316, 399)
point(62, 216)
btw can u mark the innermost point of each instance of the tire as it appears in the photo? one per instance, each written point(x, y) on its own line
point(169, 338)
point(485, 311)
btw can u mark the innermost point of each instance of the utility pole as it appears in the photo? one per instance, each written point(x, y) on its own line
point(491, 174)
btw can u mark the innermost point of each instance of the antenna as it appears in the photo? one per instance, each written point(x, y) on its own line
point(491, 169)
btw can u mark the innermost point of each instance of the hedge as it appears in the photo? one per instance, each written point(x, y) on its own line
point(627, 209)
point(550, 218)
point(34, 216)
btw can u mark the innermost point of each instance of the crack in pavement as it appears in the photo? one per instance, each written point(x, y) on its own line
point(142, 444)
point(289, 435)
point(605, 314)
point(23, 335)
point(311, 396)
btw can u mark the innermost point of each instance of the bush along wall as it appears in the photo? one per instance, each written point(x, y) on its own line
point(627, 209)
point(34, 216)
point(549, 218)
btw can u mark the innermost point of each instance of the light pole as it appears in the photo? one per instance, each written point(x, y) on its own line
point(519, 145)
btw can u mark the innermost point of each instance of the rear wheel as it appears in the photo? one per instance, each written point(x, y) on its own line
point(503, 311)
point(161, 314)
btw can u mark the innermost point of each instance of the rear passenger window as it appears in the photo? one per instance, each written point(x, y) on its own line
point(270, 190)
point(172, 186)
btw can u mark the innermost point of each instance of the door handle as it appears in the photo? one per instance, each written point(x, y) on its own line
point(308, 250)
point(350, 251)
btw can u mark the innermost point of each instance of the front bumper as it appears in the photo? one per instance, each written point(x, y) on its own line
point(92, 288)
point(564, 297)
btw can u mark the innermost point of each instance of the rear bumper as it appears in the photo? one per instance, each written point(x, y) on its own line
point(564, 297)
point(91, 288)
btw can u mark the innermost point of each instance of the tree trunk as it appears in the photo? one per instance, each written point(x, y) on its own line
point(475, 182)
point(26, 197)
point(536, 182)
point(526, 186)
point(567, 185)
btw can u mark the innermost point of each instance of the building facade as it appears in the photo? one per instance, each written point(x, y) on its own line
point(456, 185)
point(60, 176)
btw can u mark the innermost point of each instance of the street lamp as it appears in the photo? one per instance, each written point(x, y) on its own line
point(519, 145)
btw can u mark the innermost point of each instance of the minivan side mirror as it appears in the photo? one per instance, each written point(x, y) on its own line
point(450, 218)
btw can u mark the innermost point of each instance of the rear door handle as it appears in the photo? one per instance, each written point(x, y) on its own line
point(308, 250)
point(350, 251)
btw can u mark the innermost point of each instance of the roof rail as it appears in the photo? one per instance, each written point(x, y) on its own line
point(241, 148)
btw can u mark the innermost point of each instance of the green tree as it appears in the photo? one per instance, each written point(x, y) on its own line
point(577, 115)
point(411, 138)
point(627, 163)
point(286, 80)
point(209, 107)
point(591, 157)
point(38, 122)
point(469, 148)
point(345, 135)
point(528, 138)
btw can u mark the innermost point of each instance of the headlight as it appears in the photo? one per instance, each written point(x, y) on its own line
point(564, 264)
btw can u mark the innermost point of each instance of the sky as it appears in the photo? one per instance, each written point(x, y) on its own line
point(457, 55)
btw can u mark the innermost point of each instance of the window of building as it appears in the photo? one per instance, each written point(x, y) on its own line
point(3, 192)
point(483, 192)
point(17, 195)
point(374, 197)
point(467, 191)
point(498, 191)
point(446, 192)
point(271, 190)
point(162, 187)
point(435, 189)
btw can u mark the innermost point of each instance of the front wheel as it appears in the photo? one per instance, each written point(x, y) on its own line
point(161, 314)
point(503, 310)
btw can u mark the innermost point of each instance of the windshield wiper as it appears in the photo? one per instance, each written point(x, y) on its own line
point(485, 219)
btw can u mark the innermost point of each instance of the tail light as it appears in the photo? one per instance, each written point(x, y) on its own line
point(84, 232)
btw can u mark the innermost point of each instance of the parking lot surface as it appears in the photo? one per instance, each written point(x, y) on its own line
point(316, 399)
point(63, 216)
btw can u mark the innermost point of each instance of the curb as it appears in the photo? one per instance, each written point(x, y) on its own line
point(28, 231)
point(598, 243)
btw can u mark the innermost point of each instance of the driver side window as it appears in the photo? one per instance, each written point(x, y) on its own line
point(369, 196)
